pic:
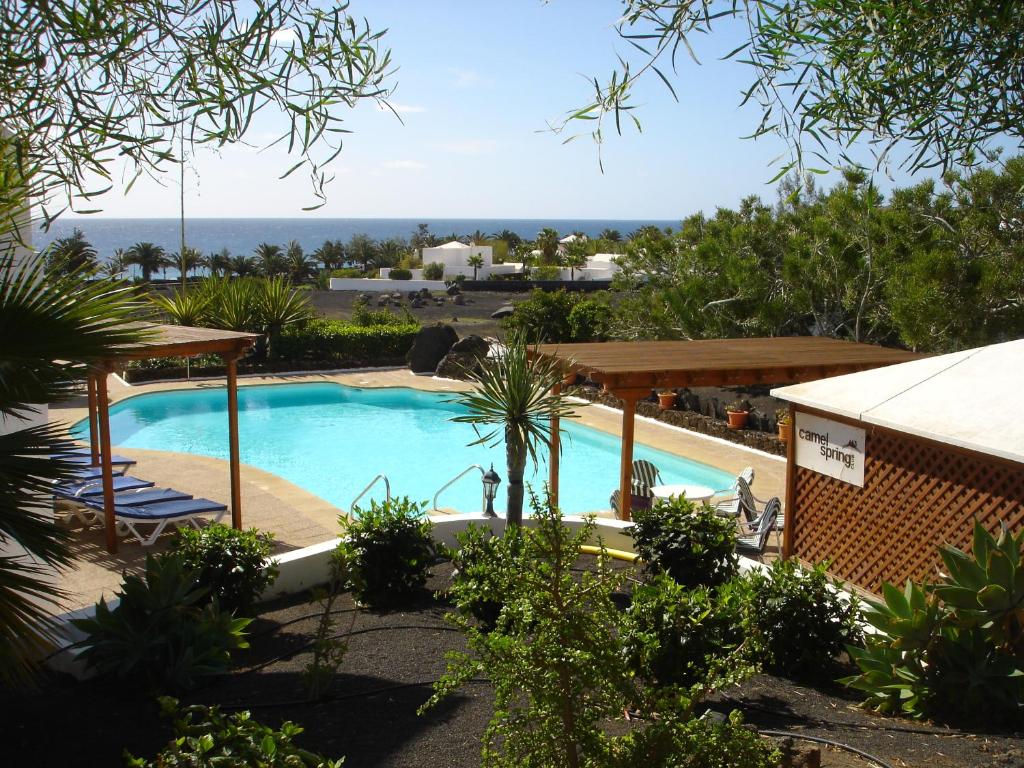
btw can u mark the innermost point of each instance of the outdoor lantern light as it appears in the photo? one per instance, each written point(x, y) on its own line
point(491, 481)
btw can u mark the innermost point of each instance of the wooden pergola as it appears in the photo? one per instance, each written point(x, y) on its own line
point(630, 370)
point(165, 341)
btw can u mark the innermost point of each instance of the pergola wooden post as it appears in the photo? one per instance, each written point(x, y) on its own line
point(166, 341)
point(233, 458)
point(632, 370)
point(556, 449)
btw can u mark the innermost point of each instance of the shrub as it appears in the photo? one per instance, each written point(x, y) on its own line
point(485, 566)
point(590, 320)
point(365, 317)
point(348, 272)
point(400, 274)
point(433, 271)
point(674, 636)
point(953, 651)
point(335, 341)
point(231, 565)
point(689, 543)
point(697, 744)
point(800, 619)
point(158, 636)
point(204, 738)
point(561, 317)
point(389, 551)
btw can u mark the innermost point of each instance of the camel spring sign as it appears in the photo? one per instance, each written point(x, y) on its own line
point(829, 447)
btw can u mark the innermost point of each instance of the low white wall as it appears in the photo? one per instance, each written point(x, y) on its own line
point(377, 285)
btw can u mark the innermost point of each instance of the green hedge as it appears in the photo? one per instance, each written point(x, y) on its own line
point(337, 341)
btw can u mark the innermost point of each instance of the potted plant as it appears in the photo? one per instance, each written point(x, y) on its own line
point(667, 399)
point(737, 411)
point(785, 424)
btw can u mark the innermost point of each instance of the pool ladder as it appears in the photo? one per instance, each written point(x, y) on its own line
point(387, 490)
point(462, 474)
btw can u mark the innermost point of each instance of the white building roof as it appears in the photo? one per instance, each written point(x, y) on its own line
point(454, 244)
point(969, 399)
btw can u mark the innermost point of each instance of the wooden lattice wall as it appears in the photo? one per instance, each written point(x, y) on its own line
point(917, 495)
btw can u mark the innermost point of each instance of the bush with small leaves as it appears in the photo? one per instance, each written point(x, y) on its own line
point(800, 618)
point(206, 738)
point(400, 274)
point(485, 566)
point(433, 271)
point(697, 744)
point(389, 550)
point(233, 566)
point(673, 636)
point(164, 634)
point(689, 543)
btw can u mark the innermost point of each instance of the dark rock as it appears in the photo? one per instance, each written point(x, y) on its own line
point(503, 311)
point(454, 290)
point(463, 358)
point(425, 293)
point(430, 345)
point(459, 299)
point(418, 303)
point(382, 300)
point(413, 295)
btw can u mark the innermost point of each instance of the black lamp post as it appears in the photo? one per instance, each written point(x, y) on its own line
point(491, 481)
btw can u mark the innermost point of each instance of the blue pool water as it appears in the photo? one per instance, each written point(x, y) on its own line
point(332, 439)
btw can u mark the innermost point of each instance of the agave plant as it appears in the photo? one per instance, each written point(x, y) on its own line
point(184, 307)
point(955, 649)
point(280, 304)
point(234, 304)
point(50, 325)
point(513, 394)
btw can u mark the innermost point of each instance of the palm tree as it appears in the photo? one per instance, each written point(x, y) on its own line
point(71, 254)
point(475, 261)
point(243, 266)
point(51, 324)
point(149, 257)
point(390, 252)
point(219, 263)
point(362, 249)
point(512, 240)
point(270, 258)
point(298, 266)
point(188, 261)
point(513, 395)
point(477, 237)
point(575, 257)
point(117, 264)
point(611, 235)
point(184, 308)
point(281, 304)
point(331, 254)
point(547, 243)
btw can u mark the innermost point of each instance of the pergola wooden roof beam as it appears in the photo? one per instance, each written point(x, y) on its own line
point(165, 341)
point(630, 370)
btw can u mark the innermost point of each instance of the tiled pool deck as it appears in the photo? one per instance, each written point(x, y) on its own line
point(298, 518)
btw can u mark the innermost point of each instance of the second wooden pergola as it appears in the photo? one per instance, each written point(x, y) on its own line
point(631, 370)
point(165, 341)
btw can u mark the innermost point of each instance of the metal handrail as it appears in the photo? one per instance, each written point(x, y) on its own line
point(387, 490)
point(458, 477)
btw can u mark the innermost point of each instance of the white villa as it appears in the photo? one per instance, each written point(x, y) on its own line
point(455, 258)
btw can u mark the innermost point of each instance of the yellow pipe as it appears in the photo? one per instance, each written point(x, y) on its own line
point(618, 554)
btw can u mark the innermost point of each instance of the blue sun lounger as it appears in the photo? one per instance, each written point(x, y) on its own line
point(84, 459)
point(161, 513)
point(93, 486)
point(89, 508)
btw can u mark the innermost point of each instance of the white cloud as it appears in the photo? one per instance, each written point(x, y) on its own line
point(471, 147)
point(285, 36)
point(403, 165)
point(406, 109)
point(465, 78)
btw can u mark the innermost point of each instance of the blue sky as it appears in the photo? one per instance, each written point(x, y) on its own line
point(477, 84)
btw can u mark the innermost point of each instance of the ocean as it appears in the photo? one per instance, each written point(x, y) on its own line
point(241, 236)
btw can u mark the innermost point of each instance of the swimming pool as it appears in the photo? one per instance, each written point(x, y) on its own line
point(331, 439)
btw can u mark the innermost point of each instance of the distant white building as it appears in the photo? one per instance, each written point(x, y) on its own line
point(600, 266)
point(455, 258)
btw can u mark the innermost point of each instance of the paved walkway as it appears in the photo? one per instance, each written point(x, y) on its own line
point(298, 518)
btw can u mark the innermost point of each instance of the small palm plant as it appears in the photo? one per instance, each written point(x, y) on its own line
point(513, 394)
point(281, 304)
point(46, 318)
point(475, 261)
point(184, 308)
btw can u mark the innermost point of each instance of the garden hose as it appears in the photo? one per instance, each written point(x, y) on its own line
point(615, 554)
point(829, 742)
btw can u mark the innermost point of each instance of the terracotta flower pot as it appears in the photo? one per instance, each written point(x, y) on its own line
point(666, 400)
point(737, 419)
point(785, 432)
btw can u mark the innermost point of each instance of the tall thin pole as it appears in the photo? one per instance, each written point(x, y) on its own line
point(181, 265)
point(94, 435)
point(106, 472)
point(234, 462)
point(629, 399)
point(789, 519)
point(555, 450)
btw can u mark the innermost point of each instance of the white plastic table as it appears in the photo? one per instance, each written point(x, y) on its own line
point(686, 490)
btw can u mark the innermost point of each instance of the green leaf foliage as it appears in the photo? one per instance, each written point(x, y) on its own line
point(204, 737)
point(389, 552)
point(233, 566)
point(560, 317)
point(163, 634)
point(954, 650)
point(346, 344)
point(485, 566)
point(689, 543)
point(799, 619)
